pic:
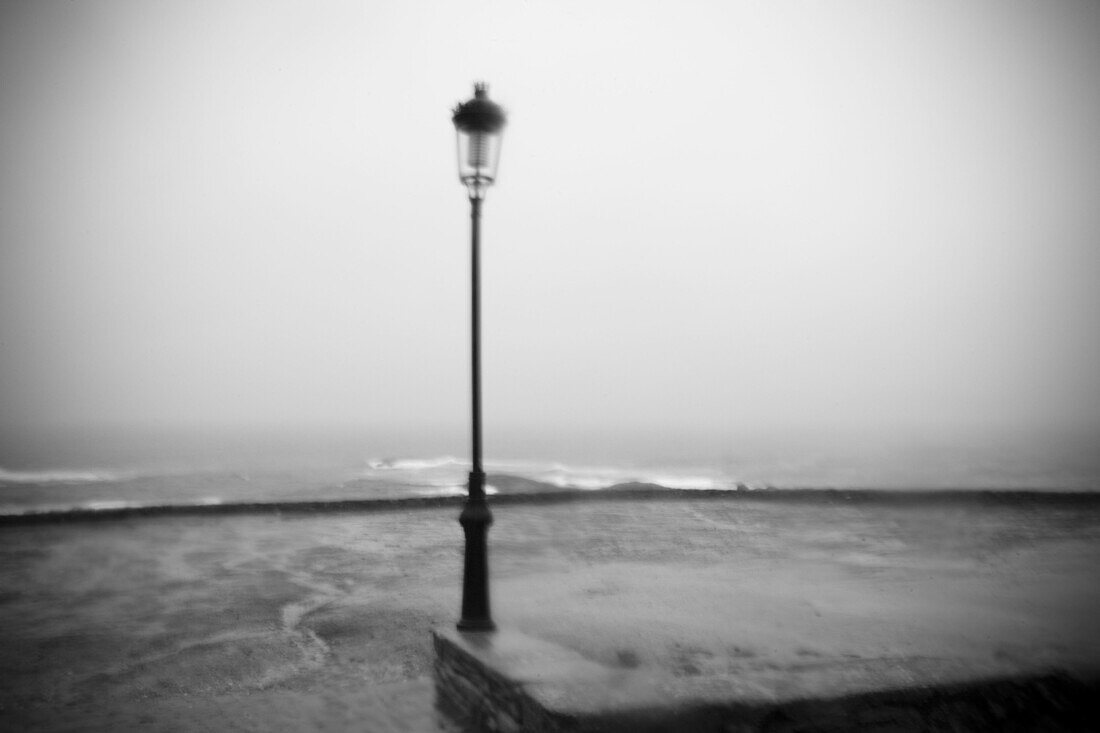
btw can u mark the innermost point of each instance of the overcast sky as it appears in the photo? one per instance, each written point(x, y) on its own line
point(713, 214)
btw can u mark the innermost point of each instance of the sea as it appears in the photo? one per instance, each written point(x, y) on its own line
point(100, 469)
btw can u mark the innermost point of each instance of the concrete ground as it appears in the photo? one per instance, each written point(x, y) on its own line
point(294, 622)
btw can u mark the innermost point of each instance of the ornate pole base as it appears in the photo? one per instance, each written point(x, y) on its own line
point(475, 520)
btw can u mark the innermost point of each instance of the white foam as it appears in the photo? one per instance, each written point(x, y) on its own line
point(98, 505)
point(414, 464)
point(696, 483)
point(591, 478)
point(440, 475)
point(452, 490)
point(588, 483)
point(58, 477)
point(108, 505)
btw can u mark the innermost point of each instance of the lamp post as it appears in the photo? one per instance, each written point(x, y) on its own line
point(479, 124)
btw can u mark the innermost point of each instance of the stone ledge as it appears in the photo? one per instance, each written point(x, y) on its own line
point(506, 681)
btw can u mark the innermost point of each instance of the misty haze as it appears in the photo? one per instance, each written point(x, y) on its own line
point(788, 363)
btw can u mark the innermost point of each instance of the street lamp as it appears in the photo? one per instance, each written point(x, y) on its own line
point(479, 124)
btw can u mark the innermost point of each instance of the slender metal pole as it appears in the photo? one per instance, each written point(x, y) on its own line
point(475, 332)
point(476, 517)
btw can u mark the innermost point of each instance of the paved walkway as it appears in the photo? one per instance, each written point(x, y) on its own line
point(292, 622)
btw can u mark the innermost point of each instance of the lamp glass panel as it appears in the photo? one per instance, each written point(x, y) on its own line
point(478, 156)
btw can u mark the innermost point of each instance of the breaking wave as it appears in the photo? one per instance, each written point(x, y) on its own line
point(451, 490)
point(60, 477)
point(440, 476)
point(414, 464)
point(101, 505)
point(595, 478)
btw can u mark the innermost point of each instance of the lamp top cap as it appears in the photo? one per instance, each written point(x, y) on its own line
point(479, 114)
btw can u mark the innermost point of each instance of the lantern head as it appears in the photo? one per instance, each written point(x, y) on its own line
point(479, 124)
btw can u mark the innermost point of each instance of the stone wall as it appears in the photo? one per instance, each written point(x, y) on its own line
point(505, 682)
point(479, 698)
